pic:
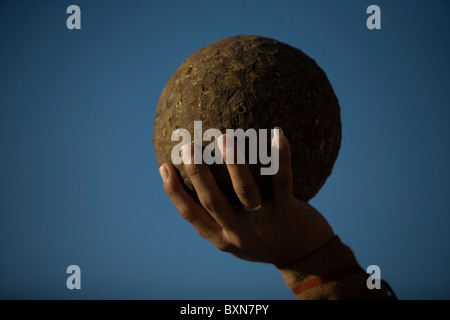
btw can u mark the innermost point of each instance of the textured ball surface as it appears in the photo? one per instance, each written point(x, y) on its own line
point(254, 82)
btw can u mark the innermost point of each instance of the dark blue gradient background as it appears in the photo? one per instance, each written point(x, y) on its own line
point(78, 176)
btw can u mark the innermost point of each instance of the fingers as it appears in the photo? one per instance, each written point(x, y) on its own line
point(209, 194)
point(243, 182)
point(282, 180)
point(188, 208)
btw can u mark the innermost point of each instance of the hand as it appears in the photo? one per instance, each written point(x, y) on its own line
point(281, 232)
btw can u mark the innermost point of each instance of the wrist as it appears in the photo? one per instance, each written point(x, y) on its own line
point(331, 272)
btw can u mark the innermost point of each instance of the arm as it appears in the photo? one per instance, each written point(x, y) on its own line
point(285, 231)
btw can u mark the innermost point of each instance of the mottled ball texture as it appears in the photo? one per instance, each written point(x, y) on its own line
point(254, 82)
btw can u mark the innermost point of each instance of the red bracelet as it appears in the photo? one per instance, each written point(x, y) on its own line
point(333, 276)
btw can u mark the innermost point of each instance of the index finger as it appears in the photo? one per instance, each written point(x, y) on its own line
point(209, 194)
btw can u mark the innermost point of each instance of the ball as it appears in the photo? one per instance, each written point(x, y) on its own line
point(245, 82)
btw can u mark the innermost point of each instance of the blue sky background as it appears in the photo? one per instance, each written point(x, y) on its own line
point(79, 181)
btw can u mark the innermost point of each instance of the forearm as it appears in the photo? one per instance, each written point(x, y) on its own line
point(330, 273)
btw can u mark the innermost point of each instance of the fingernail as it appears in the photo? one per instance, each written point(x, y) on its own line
point(164, 173)
point(278, 138)
point(279, 130)
point(226, 147)
point(220, 143)
point(186, 153)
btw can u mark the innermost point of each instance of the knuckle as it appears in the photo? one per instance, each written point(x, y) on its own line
point(224, 246)
point(237, 239)
point(242, 190)
point(208, 203)
point(240, 241)
point(193, 170)
point(170, 188)
point(187, 214)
